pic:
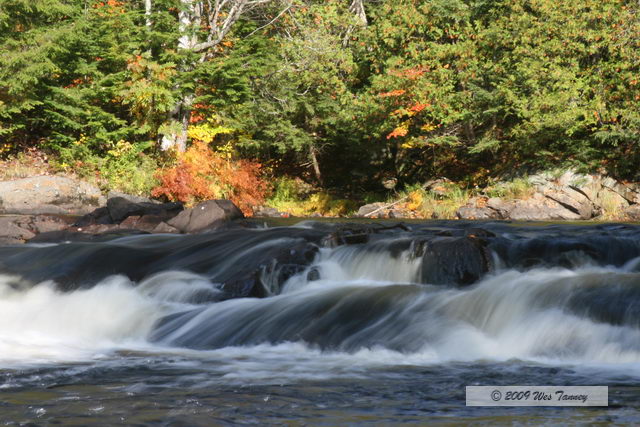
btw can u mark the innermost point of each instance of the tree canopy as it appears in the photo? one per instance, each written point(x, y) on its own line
point(343, 93)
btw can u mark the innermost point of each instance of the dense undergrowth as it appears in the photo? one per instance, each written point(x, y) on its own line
point(311, 106)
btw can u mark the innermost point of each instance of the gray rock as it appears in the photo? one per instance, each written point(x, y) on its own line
point(573, 200)
point(479, 208)
point(540, 208)
point(49, 195)
point(628, 192)
point(265, 211)
point(14, 230)
point(472, 212)
point(632, 213)
point(163, 228)
point(207, 215)
point(367, 210)
point(147, 223)
point(48, 223)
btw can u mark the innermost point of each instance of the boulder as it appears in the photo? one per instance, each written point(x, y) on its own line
point(207, 215)
point(267, 212)
point(148, 223)
point(98, 216)
point(469, 211)
point(48, 223)
point(14, 230)
point(120, 208)
point(372, 210)
point(49, 195)
point(541, 208)
point(632, 213)
point(629, 192)
point(20, 228)
point(485, 208)
point(455, 260)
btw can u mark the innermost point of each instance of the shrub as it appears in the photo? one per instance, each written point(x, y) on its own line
point(124, 167)
point(202, 173)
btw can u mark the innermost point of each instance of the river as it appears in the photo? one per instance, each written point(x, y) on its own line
point(320, 323)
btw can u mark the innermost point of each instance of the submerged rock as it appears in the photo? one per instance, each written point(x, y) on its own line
point(455, 260)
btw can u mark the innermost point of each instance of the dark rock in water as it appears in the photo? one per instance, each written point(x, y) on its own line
point(455, 261)
point(247, 262)
point(478, 232)
point(120, 208)
point(206, 216)
point(98, 216)
point(313, 274)
point(48, 195)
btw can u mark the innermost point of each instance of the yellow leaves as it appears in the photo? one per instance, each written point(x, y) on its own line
point(428, 127)
point(401, 130)
point(6, 147)
point(410, 144)
point(207, 132)
point(121, 148)
point(415, 200)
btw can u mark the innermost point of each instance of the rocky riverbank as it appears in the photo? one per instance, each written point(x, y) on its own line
point(51, 208)
point(54, 208)
point(549, 197)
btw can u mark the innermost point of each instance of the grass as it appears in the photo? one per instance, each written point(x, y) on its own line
point(23, 165)
point(612, 206)
point(299, 199)
point(430, 204)
point(519, 188)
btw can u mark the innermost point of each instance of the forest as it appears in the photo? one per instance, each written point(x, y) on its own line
point(250, 99)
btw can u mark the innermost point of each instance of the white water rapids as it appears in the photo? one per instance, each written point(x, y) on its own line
point(540, 315)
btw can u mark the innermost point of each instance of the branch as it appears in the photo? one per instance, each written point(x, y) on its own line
point(282, 12)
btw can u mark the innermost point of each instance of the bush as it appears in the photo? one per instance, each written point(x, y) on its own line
point(203, 174)
point(124, 167)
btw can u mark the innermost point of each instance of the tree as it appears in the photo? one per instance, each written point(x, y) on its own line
point(203, 26)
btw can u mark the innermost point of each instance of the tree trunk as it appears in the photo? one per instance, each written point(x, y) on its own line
point(313, 154)
point(189, 18)
point(147, 14)
point(357, 8)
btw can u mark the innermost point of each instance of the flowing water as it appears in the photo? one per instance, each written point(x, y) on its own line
point(150, 329)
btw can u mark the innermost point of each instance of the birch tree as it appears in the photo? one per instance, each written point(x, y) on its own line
point(203, 25)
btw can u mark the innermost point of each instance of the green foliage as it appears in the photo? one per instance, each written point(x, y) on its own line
point(471, 90)
point(125, 167)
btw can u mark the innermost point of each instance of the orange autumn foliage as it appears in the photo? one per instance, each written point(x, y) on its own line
point(203, 174)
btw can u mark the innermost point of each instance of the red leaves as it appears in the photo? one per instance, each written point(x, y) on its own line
point(393, 93)
point(203, 174)
point(417, 107)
